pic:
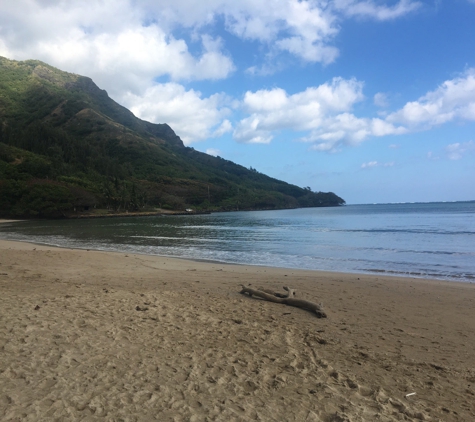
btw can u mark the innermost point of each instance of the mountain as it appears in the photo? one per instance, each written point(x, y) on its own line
point(66, 148)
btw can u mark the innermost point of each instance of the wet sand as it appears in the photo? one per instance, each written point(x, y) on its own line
point(89, 336)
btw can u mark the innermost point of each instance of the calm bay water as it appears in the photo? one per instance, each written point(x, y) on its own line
point(431, 240)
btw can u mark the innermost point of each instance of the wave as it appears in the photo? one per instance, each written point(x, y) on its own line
point(364, 240)
point(459, 276)
point(408, 231)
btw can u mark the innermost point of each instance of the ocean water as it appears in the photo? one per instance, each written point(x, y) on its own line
point(428, 240)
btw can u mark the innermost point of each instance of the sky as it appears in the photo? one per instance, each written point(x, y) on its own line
point(371, 99)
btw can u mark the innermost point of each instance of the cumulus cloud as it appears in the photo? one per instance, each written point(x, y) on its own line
point(107, 41)
point(329, 129)
point(348, 129)
point(305, 29)
point(193, 117)
point(137, 34)
point(457, 150)
point(273, 110)
point(323, 112)
point(126, 46)
point(143, 52)
point(302, 28)
point(225, 127)
point(453, 100)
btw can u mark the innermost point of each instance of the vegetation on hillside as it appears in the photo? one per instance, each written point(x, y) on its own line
point(66, 147)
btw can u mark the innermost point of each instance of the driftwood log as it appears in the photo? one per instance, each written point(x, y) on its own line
point(289, 292)
point(288, 299)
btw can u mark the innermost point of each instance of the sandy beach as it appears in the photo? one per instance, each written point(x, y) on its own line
point(89, 336)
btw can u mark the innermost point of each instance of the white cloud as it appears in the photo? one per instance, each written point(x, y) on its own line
point(381, 100)
point(323, 112)
point(379, 12)
point(303, 28)
point(225, 127)
point(372, 164)
point(193, 117)
point(123, 36)
point(124, 49)
point(457, 150)
point(107, 41)
point(127, 45)
point(213, 151)
point(274, 109)
point(453, 100)
point(311, 28)
point(248, 131)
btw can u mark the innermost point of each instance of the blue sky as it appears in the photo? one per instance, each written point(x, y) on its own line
point(371, 99)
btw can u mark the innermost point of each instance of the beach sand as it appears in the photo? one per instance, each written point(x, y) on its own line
point(96, 336)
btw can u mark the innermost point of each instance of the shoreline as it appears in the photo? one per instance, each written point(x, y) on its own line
point(27, 245)
point(162, 213)
point(110, 335)
point(381, 273)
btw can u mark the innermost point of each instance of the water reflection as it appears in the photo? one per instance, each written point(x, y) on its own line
point(436, 240)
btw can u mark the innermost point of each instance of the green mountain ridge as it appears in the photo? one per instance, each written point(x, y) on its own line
point(66, 147)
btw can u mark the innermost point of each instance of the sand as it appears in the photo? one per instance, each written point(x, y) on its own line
point(95, 336)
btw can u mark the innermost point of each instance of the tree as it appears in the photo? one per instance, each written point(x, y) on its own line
point(44, 200)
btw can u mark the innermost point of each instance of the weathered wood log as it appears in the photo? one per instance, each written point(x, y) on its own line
point(290, 292)
point(291, 301)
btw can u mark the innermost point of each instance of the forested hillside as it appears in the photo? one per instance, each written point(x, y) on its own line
point(67, 148)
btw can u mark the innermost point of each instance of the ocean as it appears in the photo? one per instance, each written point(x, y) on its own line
point(427, 240)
